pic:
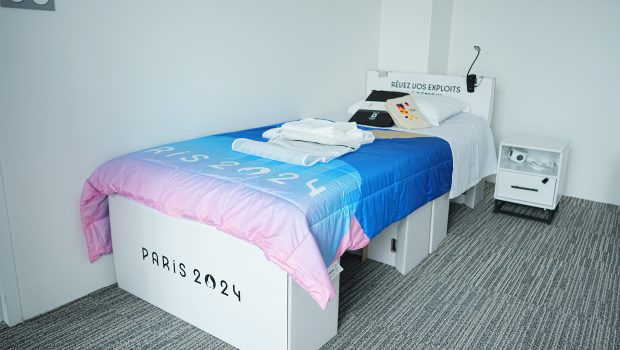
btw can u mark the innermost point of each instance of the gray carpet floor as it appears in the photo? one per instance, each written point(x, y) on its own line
point(496, 282)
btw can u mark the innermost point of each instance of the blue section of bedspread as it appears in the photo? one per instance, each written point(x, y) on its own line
point(396, 177)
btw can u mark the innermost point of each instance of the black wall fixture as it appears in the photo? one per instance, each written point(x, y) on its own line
point(471, 78)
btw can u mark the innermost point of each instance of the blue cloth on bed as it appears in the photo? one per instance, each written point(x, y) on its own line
point(378, 184)
point(396, 177)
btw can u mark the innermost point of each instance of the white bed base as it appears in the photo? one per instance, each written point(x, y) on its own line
point(404, 243)
point(472, 196)
point(271, 311)
point(407, 242)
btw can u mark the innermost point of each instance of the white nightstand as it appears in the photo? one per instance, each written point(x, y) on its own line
point(536, 180)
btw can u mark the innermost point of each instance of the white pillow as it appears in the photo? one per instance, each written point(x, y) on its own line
point(354, 107)
point(437, 108)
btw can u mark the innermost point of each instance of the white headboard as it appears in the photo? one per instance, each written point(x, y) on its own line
point(481, 100)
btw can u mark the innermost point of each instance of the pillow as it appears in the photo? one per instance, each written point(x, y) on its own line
point(372, 111)
point(437, 108)
point(354, 107)
point(406, 114)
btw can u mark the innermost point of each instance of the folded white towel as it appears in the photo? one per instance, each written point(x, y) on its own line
point(321, 126)
point(306, 142)
point(290, 151)
point(323, 132)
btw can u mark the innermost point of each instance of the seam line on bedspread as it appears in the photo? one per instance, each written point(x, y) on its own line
point(222, 180)
point(287, 200)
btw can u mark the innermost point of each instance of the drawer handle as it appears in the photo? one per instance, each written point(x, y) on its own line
point(525, 188)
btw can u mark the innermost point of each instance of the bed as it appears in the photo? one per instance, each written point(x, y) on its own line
point(474, 159)
point(475, 149)
point(195, 240)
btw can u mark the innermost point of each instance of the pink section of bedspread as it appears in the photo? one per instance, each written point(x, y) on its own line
point(277, 227)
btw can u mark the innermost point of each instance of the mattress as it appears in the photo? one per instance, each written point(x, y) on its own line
point(302, 218)
point(473, 149)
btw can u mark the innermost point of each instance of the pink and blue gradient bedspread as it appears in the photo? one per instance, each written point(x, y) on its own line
point(303, 218)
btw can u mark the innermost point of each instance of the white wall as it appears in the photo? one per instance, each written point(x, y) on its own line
point(405, 35)
point(441, 28)
point(556, 64)
point(97, 79)
point(415, 35)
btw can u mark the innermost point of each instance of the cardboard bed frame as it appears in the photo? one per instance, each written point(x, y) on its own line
point(227, 287)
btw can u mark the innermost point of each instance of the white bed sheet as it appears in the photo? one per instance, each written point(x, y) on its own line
point(473, 149)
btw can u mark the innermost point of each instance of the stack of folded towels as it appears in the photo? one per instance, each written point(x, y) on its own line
point(307, 141)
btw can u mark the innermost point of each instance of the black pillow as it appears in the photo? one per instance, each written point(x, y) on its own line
point(376, 117)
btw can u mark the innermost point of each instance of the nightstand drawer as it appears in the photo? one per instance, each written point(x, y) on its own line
point(523, 187)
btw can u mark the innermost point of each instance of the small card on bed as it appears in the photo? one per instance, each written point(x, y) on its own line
point(388, 134)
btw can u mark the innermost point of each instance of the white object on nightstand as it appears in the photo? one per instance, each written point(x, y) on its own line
point(539, 180)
